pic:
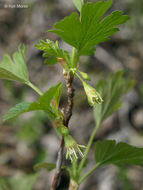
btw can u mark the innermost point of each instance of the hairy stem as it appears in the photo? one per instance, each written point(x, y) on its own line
point(67, 116)
point(88, 148)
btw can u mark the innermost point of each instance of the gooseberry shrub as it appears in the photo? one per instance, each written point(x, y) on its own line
point(83, 30)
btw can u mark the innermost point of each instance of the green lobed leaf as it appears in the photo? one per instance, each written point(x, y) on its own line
point(17, 110)
point(46, 165)
point(45, 100)
point(50, 60)
point(58, 95)
point(52, 51)
point(15, 69)
point(44, 103)
point(90, 29)
point(111, 90)
point(108, 152)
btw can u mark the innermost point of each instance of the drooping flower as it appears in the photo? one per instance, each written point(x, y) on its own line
point(92, 95)
point(73, 148)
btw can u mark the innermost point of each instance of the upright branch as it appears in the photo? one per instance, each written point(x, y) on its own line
point(67, 115)
point(70, 94)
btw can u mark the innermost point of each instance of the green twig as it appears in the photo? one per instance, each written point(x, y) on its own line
point(35, 88)
point(74, 167)
point(88, 149)
point(87, 174)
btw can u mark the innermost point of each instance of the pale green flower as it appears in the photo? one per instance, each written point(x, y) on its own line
point(72, 148)
point(92, 95)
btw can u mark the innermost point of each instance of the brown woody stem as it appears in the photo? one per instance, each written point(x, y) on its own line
point(70, 94)
point(67, 115)
point(58, 165)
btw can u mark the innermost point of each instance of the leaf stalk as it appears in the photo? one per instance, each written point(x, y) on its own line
point(88, 148)
point(87, 174)
point(35, 88)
